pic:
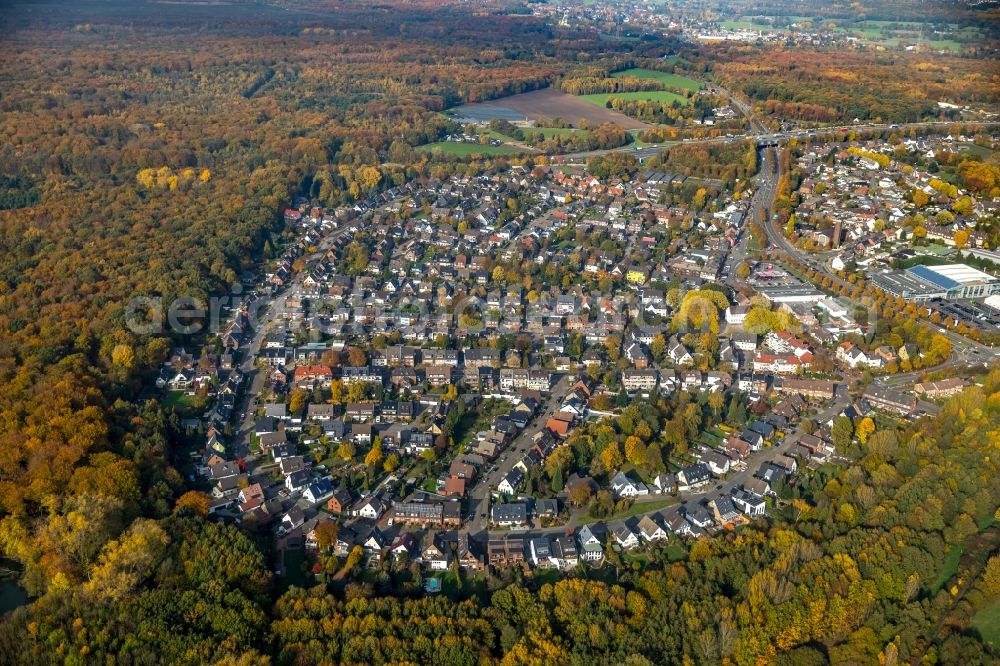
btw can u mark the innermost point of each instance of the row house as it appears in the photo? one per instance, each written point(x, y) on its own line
point(513, 379)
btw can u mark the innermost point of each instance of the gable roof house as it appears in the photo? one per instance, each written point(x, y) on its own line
point(370, 507)
point(651, 530)
point(678, 353)
point(717, 463)
point(749, 503)
point(511, 483)
point(622, 486)
point(623, 535)
point(509, 515)
point(434, 553)
point(591, 549)
point(693, 476)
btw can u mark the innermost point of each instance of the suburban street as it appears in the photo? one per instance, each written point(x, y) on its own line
point(761, 134)
point(260, 322)
point(759, 208)
point(479, 496)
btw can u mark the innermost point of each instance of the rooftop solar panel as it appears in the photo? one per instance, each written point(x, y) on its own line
point(925, 273)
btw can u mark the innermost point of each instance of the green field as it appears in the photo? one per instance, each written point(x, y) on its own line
point(671, 80)
point(184, 403)
point(875, 32)
point(976, 151)
point(676, 552)
point(553, 131)
point(743, 25)
point(637, 509)
point(656, 95)
point(455, 149)
point(493, 134)
point(987, 623)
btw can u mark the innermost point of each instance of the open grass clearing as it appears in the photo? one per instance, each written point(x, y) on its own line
point(987, 623)
point(637, 509)
point(549, 132)
point(950, 568)
point(667, 79)
point(545, 105)
point(601, 99)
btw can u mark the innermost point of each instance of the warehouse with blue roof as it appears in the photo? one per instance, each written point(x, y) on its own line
point(949, 281)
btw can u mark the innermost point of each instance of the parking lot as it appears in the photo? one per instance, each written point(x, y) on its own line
point(973, 314)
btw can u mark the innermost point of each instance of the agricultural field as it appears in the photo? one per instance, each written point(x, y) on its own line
point(666, 78)
point(455, 149)
point(601, 99)
point(548, 103)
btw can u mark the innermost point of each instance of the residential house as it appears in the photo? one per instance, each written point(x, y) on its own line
point(622, 486)
point(590, 547)
point(317, 490)
point(514, 514)
point(512, 482)
point(651, 530)
point(693, 476)
point(370, 507)
point(623, 535)
point(339, 502)
point(434, 553)
point(717, 463)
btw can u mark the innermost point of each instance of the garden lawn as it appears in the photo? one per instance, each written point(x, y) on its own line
point(637, 509)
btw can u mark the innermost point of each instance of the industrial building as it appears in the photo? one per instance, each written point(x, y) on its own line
point(950, 281)
point(792, 293)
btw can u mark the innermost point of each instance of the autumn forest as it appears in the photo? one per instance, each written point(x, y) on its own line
point(148, 149)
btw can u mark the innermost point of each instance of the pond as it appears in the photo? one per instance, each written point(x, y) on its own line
point(12, 595)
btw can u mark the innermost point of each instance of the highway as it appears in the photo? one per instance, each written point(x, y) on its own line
point(965, 350)
point(764, 137)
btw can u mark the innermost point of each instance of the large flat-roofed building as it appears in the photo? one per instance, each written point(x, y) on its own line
point(794, 293)
point(904, 285)
point(949, 281)
point(959, 280)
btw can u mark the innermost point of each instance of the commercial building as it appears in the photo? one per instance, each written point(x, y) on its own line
point(906, 286)
point(959, 280)
point(797, 293)
point(949, 281)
